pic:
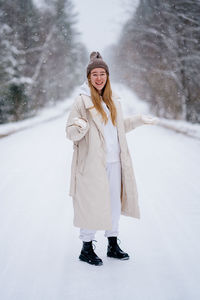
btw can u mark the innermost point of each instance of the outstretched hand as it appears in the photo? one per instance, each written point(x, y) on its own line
point(149, 119)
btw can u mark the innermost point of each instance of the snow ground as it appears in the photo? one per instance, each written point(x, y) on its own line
point(40, 247)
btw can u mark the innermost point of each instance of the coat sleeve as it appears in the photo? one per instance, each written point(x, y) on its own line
point(75, 132)
point(133, 122)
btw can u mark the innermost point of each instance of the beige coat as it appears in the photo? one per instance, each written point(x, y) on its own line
point(89, 184)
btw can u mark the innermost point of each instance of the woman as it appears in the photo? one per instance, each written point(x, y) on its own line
point(102, 179)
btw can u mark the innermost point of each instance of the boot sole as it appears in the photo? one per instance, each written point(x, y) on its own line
point(83, 258)
point(123, 258)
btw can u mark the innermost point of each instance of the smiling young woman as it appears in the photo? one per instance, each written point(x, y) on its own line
point(99, 84)
point(102, 179)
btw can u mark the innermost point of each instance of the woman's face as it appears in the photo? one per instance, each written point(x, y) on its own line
point(98, 78)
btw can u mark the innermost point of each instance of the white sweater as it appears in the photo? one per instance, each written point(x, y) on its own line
point(111, 138)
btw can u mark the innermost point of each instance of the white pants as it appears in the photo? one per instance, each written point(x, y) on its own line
point(114, 179)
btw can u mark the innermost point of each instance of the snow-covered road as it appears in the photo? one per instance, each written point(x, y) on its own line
point(40, 247)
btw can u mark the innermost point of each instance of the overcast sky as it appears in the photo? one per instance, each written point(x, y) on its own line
point(100, 21)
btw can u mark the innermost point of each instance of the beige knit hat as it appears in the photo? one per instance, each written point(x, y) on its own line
point(96, 61)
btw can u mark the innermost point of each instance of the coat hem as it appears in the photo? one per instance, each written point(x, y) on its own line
point(127, 214)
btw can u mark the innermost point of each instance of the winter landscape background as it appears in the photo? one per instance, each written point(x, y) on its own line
point(152, 48)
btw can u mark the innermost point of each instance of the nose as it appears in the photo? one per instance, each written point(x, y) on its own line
point(98, 77)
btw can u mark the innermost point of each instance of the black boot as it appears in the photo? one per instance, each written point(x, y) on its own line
point(114, 249)
point(88, 255)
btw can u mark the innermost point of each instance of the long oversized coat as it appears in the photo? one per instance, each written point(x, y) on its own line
point(89, 185)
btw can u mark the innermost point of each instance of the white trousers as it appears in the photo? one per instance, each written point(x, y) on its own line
point(114, 179)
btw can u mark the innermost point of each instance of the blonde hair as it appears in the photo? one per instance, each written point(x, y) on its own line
point(107, 98)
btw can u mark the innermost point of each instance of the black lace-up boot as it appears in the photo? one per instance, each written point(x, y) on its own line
point(114, 249)
point(88, 255)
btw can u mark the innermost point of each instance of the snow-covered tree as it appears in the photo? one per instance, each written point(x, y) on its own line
point(41, 55)
point(63, 55)
point(159, 48)
point(17, 35)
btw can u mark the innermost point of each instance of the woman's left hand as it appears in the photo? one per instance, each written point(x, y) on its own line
point(149, 119)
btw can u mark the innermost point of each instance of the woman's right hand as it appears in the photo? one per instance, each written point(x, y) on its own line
point(82, 123)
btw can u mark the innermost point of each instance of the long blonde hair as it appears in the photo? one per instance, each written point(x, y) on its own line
point(107, 98)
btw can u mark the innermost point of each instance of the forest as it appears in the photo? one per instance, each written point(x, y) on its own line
point(157, 55)
point(40, 56)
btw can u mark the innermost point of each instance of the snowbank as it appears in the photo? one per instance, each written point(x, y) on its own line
point(44, 115)
point(192, 130)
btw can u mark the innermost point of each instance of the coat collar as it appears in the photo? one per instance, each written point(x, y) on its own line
point(87, 101)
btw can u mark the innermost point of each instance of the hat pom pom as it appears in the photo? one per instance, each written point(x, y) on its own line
point(95, 55)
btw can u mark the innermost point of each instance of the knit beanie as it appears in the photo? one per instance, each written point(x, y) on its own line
point(96, 61)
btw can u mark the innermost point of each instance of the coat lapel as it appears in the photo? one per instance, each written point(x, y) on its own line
point(94, 113)
point(120, 128)
point(97, 119)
